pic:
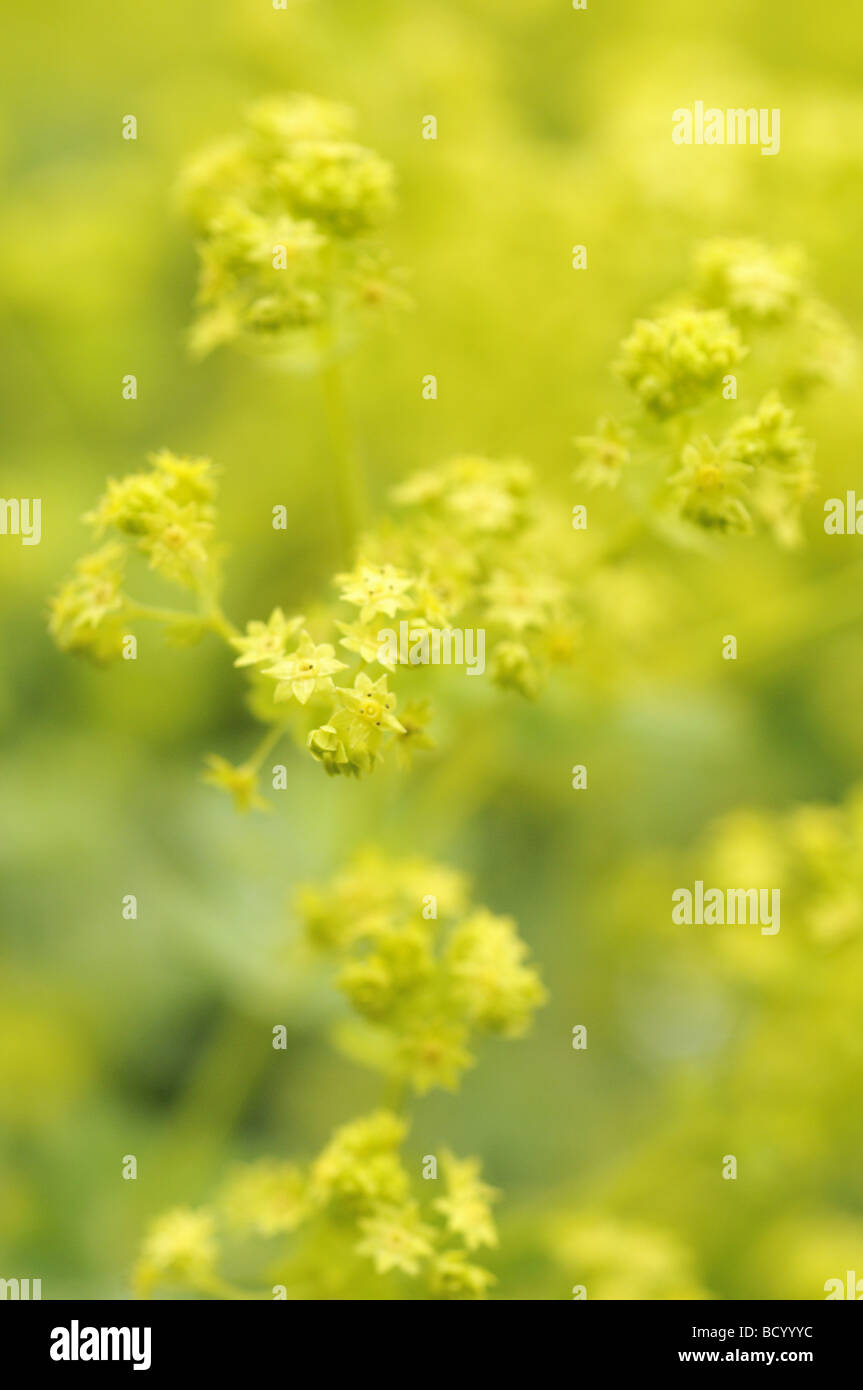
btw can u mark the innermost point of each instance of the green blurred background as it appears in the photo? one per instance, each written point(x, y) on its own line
point(153, 1037)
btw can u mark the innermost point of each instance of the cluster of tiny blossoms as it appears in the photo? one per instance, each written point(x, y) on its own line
point(462, 554)
point(423, 968)
point(464, 549)
point(167, 515)
point(287, 215)
point(327, 1225)
point(683, 367)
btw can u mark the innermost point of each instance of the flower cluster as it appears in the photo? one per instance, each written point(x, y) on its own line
point(422, 967)
point(167, 515)
point(756, 471)
point(354, 1204)
point(466, 549)
point(180, 1248)
point(762, 468)
point(85, 615)
point(672, 362)
point(293, 672)
point(475, 539)
point(287, 216)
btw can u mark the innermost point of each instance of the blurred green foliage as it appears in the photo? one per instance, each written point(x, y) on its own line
point(153, 1037)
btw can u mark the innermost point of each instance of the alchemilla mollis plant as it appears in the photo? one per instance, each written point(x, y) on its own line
point(425, 972)
point(288, 218)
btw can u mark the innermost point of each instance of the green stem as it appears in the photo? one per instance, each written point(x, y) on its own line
point(158, 615)
point(271, 738)
point(220, 624)
point(213, 617)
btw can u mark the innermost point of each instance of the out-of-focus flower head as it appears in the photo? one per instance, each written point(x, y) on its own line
point(750, 279)
point(287, 216)
point(266, 641)
point(180, 1248)
point(353, 1203)
point(267, 1197)
point(672, 362)
point(709, 488)
point(603, 456)
point(420, 968)
point(168, 514)
point(85, 613)
point(466, 1205)
point(239, 781)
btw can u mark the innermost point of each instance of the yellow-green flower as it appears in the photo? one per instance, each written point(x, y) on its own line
point(364, 642)
point(485, 956)
point(327, 747)
point(521, 601)
point(747, 277)
point(361, 1162)
point(396, 1238)
point(311, 667)
point(673, 361)
point(710, 486)
point(370, 705)
point(241, 783)
point(513, 668)
point(168, 513)
point(265, 641)
point(84, 613)
point(433, 1053)
point(278, 122)
point(180, 1248)
point(604, 455)
point(452, 1275)
point(286, 215)
point(347, 188)
point(268, 1197)
point(376, 589)
point(467, 1204)
point(770, 438)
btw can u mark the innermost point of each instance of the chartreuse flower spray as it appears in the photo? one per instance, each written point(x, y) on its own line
point(425, 973)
